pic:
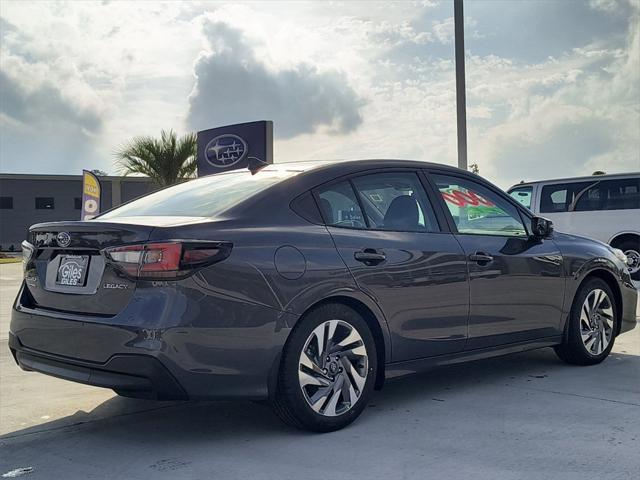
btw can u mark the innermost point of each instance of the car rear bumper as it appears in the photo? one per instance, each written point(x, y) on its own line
point(225, 349)
point(139, 376)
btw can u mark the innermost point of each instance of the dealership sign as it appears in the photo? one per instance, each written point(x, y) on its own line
point(90, 195)
point(235, 146)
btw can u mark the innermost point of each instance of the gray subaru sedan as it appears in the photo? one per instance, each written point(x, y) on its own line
point(308, 284)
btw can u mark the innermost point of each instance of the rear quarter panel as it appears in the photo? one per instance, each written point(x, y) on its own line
point(289, 266)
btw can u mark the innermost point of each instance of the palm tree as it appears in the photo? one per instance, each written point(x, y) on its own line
point(167, 160)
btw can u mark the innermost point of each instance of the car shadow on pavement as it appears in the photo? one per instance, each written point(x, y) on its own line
point(191, 422)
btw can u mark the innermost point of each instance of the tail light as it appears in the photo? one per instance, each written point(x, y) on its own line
point(27, 254)
point(167, 260)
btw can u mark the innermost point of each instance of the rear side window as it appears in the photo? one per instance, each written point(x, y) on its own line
point(619, 194)
point(339, 206)
point(623, 194)
point(396, 202)
point(522, 195)
point(202, 197)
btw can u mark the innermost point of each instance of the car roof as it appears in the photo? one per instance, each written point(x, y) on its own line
point(311, 165)
point(578, 179)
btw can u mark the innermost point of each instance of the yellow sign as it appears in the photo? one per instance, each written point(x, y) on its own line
point(91, 185)
point(90, 195)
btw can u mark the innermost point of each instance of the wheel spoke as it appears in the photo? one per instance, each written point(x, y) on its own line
point(330, 409)
point(352, 344)
point(357, 378)
point(310, 363)
point(590, 342)
point(594, 301)
point(585, 325)
point(348, 392)
point(584, 313)
point(333, 324)
point(318, 399)
point(319, 334)
point(598, 343)
point(356, 349)
point(605, 340)
point(349, 339)
point(307, 379)
point(607, 310)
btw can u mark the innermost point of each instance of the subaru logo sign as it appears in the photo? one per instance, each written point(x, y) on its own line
point(225, 150)
point(63, 239)
point(233, 147)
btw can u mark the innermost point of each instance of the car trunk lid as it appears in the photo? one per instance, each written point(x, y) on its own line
point(67, 271)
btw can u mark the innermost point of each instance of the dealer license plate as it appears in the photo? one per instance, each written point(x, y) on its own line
point(72, 270)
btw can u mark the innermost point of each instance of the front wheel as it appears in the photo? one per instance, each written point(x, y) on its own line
point(327, 371)
point(592, 325)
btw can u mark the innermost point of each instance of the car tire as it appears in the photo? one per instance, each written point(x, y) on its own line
point(592, 325)
point(326, 391)
point(631, 248)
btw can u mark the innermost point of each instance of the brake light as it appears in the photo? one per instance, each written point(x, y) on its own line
point(27, 254)
point(167, 259)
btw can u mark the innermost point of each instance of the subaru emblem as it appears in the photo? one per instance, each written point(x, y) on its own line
point(63, 239)
point(225, 150)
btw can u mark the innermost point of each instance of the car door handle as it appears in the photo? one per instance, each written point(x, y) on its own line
point(370, 256)
point(481, 258)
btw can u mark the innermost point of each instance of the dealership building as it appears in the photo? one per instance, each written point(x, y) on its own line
point(28, 199)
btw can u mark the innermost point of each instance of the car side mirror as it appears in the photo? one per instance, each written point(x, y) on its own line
point(541, 227)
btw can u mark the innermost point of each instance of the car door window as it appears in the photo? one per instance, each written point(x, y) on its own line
point(560, 197)
point(477, 210)
point(339, 206)
point(522, 195)
point(396, 201)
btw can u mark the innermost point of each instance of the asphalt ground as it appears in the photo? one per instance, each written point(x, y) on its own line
point(524, 416)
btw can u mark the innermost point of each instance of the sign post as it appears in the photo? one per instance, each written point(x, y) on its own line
point(235, 146)
point(461, 96)
point(90, 195)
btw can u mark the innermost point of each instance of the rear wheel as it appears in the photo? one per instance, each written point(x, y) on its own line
point(328, 370)
point(592, 325)
point(631, 249)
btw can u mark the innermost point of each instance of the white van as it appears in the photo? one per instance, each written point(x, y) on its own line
point(604, 207)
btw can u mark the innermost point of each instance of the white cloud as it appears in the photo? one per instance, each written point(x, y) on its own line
point(444, 30)
point(563, 117)
point(113, 70)
point(233, 85)
point(608, 6)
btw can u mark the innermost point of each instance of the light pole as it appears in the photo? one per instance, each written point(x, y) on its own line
point(461, 98)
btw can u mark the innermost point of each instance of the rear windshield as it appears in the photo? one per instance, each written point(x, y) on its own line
point(202, 197)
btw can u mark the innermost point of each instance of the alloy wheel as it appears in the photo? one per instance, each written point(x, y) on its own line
point(633, 261)
point(596, 321)
point(333, 368)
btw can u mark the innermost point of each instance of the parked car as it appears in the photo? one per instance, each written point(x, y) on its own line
point(604, 207)
point(308, 284)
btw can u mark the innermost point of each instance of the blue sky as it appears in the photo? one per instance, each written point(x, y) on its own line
point(553, 85)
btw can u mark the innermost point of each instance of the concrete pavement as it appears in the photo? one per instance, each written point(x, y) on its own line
point(523, 416)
